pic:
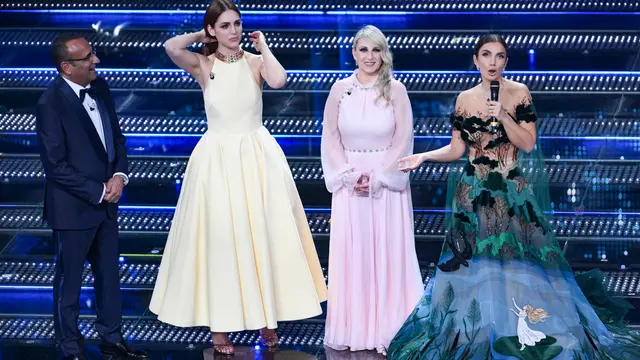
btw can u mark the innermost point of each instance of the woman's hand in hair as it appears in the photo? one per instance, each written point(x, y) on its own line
point(204, 38)
point(258, 40)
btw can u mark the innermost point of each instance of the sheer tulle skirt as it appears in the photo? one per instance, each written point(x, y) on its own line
point(504, 290)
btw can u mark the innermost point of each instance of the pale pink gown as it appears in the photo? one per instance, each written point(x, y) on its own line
point(374, 277)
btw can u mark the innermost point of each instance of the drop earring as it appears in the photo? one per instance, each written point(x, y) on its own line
point(477, 67)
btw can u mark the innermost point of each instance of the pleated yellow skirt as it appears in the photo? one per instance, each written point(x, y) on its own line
point(239, 255)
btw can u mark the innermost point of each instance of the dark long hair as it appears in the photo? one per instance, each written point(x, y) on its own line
point(214, 10)
point(490, 38)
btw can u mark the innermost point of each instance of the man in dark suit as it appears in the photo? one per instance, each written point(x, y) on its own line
point(83, 153)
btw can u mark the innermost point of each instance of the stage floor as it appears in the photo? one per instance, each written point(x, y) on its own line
point(48, 351)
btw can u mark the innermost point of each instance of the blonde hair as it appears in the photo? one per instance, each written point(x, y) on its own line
point(385, 73)
point(535, 315)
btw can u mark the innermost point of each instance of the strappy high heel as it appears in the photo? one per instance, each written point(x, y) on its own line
point(226, 349)
point(268, 337)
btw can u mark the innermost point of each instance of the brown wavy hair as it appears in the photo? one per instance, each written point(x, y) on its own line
point(214, 10)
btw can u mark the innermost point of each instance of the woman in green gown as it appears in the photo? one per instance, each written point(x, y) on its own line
point(503, 289)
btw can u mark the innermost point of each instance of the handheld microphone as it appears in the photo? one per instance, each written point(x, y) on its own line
point(495, 89)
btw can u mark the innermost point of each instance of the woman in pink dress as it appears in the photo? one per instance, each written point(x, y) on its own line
point(374, 277)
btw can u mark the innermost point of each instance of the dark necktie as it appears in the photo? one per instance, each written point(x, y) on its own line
point(90, 91)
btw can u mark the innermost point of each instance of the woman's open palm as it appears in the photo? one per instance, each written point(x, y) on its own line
point(410, 162)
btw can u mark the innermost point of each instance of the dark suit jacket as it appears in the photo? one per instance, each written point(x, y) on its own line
point(74, 160)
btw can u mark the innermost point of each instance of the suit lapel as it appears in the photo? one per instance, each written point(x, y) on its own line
point(82, 115)
point(106, 126)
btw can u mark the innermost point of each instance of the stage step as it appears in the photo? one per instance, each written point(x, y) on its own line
point(35, 329)
point(566, 126)
point(134, 275)
point(317, 81)
point(137, 275)
point(429, 224)
point(331, 41)
point(321, 6)
point(158, 169)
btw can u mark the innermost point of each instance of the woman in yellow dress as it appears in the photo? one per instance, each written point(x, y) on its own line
point(239, 255)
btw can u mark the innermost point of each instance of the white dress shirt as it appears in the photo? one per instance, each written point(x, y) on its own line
point(91, 107)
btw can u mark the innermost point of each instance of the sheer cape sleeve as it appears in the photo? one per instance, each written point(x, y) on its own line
point(335, 167)
point(536, 174)
point(387, 173)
